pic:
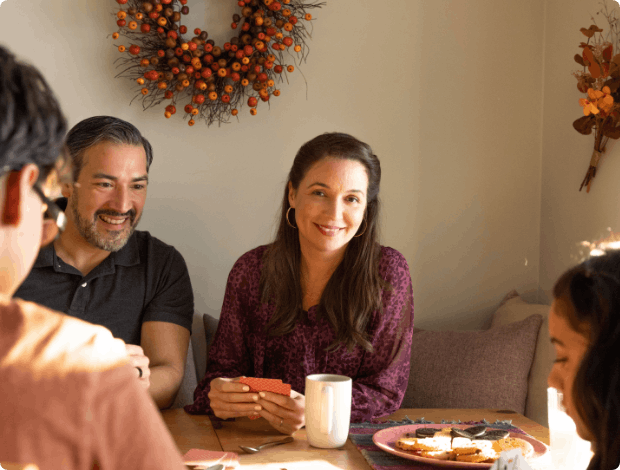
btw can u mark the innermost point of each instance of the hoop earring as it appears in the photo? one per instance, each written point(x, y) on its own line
point(365, 228)
point(287, 221)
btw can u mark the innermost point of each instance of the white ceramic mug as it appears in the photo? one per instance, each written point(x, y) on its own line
point(568, 450)
point(328, 410)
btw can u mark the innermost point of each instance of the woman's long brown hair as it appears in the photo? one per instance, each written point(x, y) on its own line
point(353, 292)
point(592, 292)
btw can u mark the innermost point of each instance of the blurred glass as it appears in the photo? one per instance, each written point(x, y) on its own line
point(568, 450)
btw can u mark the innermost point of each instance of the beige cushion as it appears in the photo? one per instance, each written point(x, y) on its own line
point(514, 308)
point(472, 369)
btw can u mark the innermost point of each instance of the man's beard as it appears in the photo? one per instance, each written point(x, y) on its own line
point(110, 241)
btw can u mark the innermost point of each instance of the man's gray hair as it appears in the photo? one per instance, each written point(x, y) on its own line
point(97, 129)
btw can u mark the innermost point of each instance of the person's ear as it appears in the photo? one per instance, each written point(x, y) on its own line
point(291, 195)
point(17, 182)
point(49, 232)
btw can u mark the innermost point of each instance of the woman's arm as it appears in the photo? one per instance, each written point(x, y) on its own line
point(228, 356)
point(380, 385)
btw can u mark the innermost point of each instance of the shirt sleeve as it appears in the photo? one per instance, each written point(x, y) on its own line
point(172, 298)
point(228, 355)
point(380, 385)
point(127, 429)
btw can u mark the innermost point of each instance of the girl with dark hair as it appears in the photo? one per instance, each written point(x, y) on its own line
point(584, 325)
point(324, 297)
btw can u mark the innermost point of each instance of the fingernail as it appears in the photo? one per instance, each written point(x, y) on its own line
point(255, 413)
point(257, 408)
point(246, 389)
point(254, 397)
point(262, 395)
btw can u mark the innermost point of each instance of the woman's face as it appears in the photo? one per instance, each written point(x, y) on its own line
point(570, 347)
point(329, 205)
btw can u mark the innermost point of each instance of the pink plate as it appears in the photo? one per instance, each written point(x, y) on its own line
point(386, 441)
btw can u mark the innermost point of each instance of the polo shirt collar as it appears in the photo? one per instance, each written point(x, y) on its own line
point(129, 255)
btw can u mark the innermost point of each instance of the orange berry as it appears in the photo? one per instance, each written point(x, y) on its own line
point(270, 83)
point(167, 114)
point(286, 12)
point(245, 82)
point(140, 81)
point(276, 92)
point(245, 60)
point(121, 15)
point(308, 17)
point(290, 68)
point(253, 111)
point(121, 48)
point(162, 85)
point(234, 112)
point(259, 21)
point(162, 21)
point(133, 25)
point(115, 35)
point(194, 112)
point(185, 46)
point(279, 35)
point(145, 63)
point(288, 27)
point(297, 48)
point(191, 123)
point(213, 96)
point(228, 88)
point(139, 16)
point(185, 83)
point(145, 91)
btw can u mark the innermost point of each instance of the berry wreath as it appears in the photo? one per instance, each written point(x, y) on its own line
point(215, 81)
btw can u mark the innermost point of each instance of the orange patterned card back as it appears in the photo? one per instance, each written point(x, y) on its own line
point(266, 385)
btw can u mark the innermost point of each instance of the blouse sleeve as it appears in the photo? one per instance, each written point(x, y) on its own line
point(380, 385)
point(228, 355)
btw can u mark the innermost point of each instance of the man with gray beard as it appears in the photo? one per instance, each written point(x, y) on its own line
point(100, 269)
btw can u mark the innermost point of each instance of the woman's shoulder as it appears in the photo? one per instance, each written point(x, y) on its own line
point(393, 265)
point(252, 259)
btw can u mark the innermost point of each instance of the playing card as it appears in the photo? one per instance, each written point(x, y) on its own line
point(266, 385)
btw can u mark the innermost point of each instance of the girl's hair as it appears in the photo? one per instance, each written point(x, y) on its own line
point(354, 290)
point(592, 291)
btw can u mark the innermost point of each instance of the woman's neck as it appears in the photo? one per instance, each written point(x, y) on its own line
point(316, 270)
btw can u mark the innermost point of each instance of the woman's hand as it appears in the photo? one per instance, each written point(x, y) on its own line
point(229, 399)
point(286, 414)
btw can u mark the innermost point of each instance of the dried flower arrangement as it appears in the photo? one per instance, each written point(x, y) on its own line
point(214, 80)
point(600, 81)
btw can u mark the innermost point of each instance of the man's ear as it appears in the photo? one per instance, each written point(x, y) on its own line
point(17, 182)
point(291, 195)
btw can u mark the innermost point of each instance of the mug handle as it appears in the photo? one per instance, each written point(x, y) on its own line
point(327, 409)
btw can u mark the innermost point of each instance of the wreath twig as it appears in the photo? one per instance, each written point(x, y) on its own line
point(214, 81)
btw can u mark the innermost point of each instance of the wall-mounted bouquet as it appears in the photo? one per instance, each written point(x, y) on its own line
point(600, 81)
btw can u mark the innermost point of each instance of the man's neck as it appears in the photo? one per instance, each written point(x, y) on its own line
point(74, 250)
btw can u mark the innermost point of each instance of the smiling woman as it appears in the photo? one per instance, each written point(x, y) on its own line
point(584, 325)
point(324, 297)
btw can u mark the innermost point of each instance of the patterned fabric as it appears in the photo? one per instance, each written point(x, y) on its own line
point(361, 435)
point(242, 348)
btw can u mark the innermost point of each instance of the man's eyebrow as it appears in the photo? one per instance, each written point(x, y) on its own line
point(323, 185)
point(114, 178)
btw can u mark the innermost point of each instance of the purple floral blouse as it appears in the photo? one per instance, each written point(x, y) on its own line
point(241, 348)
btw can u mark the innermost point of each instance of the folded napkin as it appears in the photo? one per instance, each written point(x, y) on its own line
point(511, 460)
point(266, 385)
point(207, 458)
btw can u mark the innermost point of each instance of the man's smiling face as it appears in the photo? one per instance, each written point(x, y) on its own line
point(105, 203)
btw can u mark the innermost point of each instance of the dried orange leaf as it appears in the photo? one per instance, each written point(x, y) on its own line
point(607, 53)
point(595, 28)
point(611, 131)
point(584, 124)
point(579, 60)
point(587, 32)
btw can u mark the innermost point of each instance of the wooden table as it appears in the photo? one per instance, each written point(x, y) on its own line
point(196, 432)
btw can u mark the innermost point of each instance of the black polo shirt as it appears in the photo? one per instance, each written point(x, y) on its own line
point(146, 280)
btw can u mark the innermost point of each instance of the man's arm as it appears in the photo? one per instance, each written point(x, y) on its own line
point(165, 344)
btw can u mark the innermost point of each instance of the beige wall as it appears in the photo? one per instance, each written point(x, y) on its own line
point(448, 93)
point(567, 215)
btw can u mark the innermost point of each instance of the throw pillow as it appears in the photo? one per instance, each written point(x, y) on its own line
point(472, 369)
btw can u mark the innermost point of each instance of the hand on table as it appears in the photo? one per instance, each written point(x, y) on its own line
point(138, 360)
point(286, 414)
point(230, 399)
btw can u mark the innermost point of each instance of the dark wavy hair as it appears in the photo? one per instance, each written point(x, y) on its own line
point(592, 291)
point(353, 292)
point(93, 130)
point(32, 126)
